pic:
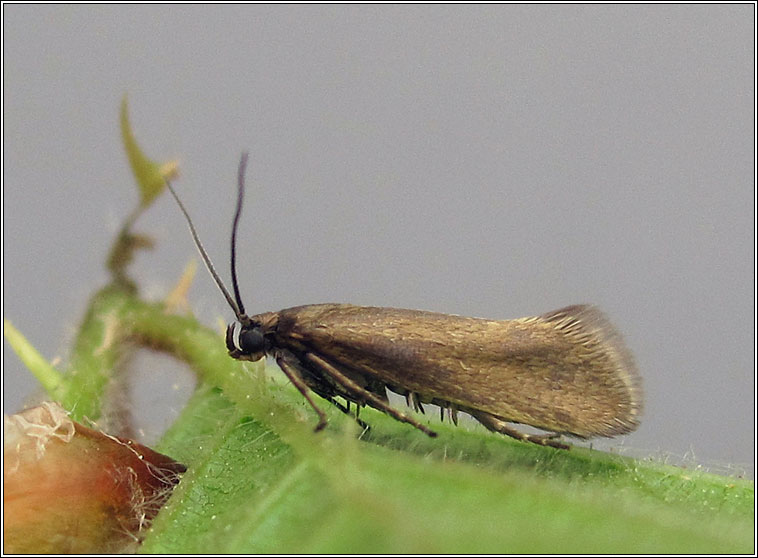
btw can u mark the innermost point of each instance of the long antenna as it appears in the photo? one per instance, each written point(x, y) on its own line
point(237, 212)
point(235, 307)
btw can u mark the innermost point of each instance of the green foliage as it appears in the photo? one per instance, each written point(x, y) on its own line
point(148, 174)
point(250, 489)
point(51, 380)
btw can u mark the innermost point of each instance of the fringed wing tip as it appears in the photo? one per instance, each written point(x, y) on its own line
point(590, 326)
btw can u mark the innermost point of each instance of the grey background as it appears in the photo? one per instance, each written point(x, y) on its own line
point(494, 160)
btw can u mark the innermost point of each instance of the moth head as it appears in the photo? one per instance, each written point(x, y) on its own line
point(245, 342)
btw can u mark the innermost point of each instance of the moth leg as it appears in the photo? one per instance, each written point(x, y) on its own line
point(412, 400)
point(294, 376)
point(497, 425)
point(453, 415)
point(346, 409)
point(375, 400)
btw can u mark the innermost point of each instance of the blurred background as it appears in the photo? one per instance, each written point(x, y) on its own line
point(497, 161)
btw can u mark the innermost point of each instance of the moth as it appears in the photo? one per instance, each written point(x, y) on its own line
point(564, 372)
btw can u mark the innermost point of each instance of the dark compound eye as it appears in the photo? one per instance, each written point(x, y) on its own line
point(251, 341)
point(244, 341)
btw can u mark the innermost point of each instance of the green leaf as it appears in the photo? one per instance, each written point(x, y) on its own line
point(250, 489)
point(52, 381)
point(150, 176)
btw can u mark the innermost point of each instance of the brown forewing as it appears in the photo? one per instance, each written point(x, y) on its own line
point(567, 371)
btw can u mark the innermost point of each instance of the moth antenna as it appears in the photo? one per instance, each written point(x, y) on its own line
point(237, 213)
point(208, 263)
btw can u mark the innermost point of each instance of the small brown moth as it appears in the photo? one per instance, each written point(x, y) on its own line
point(566, 372)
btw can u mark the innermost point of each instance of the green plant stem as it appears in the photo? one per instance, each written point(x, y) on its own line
point(98, 349)
point(52, 381)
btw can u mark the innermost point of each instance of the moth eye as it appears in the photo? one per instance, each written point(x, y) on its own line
point(251, 341)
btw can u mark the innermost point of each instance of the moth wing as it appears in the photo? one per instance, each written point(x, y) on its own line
point(565, 371)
